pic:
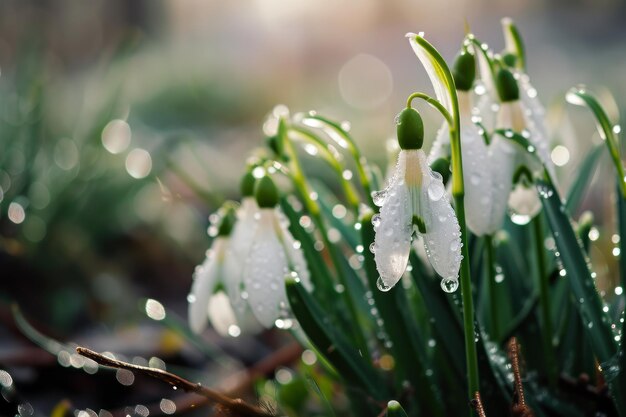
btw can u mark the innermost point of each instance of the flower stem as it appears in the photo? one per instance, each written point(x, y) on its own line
point(544, 302)
point(299, 181)
point(490, 261)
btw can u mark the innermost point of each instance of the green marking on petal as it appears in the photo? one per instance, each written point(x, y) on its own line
point(419, 222)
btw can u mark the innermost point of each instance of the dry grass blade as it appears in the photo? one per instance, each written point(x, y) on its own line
point(235, 406)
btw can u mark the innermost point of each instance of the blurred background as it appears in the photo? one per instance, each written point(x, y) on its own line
point(124, 124)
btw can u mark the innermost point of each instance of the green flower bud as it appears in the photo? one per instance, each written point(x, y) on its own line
point(509, 59)
point(227, 220)
point(464, 71)
point(410, 129)
point(266, 193)
point(247, 184)
point(442, 166)
point(506, 84)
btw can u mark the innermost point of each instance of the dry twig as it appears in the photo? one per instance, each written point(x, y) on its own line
point(519, 408)
point(236, 406)
point(478, 405)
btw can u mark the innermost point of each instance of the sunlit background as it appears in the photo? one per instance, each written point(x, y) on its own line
point(124, 124)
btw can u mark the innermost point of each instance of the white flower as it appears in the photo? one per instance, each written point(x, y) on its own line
point(220, 270)
point(415, 201)
point(526, 202)
point(273, 255)
point(485, 206)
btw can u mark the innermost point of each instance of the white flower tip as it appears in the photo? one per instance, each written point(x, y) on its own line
point(506, 21)
point(412, 35)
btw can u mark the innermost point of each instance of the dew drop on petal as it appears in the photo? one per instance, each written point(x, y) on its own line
point(449, 285)
point(372, 247)
point(380, 284)
point(376, 220)
point(379, 197)
point(435, 191)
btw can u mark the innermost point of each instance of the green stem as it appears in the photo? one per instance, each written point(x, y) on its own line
point(458, 192)
point(299, 181)
point(544, 302)
point(433, 102)
point(490, 261)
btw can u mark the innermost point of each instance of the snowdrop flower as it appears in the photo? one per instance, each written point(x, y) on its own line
point(415, 201)
point(207, 300)
point(484, 208)
point(216, 291)
point(525, 203)
point(273, 255)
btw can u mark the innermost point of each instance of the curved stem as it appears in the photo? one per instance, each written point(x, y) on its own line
point(433, 102)
point(359, 160)
point(348, 189)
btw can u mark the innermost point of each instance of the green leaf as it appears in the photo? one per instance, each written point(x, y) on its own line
point(345, 358)
point(391, 306)
point(583, 288)
point(514, 42)
point(581, 97)
point(584, 174)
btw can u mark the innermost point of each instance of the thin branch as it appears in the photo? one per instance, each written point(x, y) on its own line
point(237, 406)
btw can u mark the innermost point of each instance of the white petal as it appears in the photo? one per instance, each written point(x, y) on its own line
point(392, 242)
point(478, 179)
point(206, 277)
point(441, 145)
point(265, 270)
point(221, 313)
point(524, 201)
point(502, 155)
point(297, 262)
point(239, 249)
point(432, 69)
point(442, 239)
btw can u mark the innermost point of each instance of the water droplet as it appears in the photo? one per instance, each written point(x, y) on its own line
point(379, 197)
point(380, 284)
point(191, 298)
point(376, 220)
point(475, 179)
point(449, 285)
point(435, 190)
point(372, 247)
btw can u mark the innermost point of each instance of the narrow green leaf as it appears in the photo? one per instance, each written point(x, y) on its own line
point(390, 304)
point(584, 174)
point(346, 359)
point(581, 97)
point(583, 288)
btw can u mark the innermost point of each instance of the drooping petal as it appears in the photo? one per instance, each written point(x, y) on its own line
point(524, 201)
point(265, 270)
point(221, 314)
point(239, 249)
point(502, 160)
point(205, 278)
point(426, 55)
point(392, 242)
point(478, 179)
point(295, 257)
point(441, 146)
point(442, 238)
